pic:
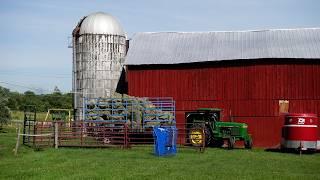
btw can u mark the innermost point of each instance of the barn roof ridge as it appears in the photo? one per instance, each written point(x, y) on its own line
point(232, 31)
point(190, 47)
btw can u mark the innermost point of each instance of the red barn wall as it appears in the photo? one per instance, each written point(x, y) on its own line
point(247, 91)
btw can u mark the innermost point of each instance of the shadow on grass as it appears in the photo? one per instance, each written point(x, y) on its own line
point(290, 151)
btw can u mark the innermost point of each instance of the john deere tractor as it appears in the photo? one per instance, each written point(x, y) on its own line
point(207, 129)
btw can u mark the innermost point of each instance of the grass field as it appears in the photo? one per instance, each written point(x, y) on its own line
point(140, 163)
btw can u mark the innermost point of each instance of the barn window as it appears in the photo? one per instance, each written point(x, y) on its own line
point(283, 106)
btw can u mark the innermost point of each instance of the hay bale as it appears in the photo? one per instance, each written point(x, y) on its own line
point(91, 104)
point(123, 107)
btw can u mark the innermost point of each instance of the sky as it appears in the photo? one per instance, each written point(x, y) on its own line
point(34, 34)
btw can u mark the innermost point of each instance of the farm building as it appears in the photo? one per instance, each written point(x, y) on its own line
point(254, 76)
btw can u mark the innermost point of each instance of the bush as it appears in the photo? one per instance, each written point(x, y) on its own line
point(4, 109)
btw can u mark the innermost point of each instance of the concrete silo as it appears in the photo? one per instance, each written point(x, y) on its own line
point(99, 47)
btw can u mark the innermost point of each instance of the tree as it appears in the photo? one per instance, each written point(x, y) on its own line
point(29, 98)
point(56, 90)
point(15, 100)
point(4, 109)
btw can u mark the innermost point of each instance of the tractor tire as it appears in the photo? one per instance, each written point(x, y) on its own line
point(231, 142)
point(196, 135)
point(217, 142)
point(248, 144)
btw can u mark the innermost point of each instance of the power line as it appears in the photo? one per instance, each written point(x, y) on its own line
point(31, 73)
point(40, 89)
point(31, 88)
point(50, 95)
point(39, 76)
point(36, 75)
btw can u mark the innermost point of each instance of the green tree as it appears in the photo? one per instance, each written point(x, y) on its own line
point(15, 100)
point(4, 109)
point(56, 90)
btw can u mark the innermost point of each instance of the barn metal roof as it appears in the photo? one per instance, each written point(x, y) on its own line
point(188, 47)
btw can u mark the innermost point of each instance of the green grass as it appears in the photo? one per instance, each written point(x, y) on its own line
point(140, 163)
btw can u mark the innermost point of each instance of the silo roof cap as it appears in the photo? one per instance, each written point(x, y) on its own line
point(101, 23)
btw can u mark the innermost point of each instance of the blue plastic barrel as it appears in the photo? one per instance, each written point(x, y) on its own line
point(165, 140)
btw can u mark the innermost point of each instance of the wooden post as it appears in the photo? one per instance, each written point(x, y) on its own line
point(18, 142)
point(81, 132)
point(300, 148)
point(126, 138)
point(56, 132)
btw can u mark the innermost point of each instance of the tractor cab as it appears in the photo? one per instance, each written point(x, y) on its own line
point(207, 115)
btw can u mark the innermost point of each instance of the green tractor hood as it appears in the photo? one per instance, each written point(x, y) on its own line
point(231, 124)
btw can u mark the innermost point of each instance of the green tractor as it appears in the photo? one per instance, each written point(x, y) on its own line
point(207, 129)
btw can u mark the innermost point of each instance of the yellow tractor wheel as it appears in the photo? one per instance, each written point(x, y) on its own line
point(196, 137)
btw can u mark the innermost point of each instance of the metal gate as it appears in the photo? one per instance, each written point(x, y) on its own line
point(29, 123)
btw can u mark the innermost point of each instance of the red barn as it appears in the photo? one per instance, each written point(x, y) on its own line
point(254, 76)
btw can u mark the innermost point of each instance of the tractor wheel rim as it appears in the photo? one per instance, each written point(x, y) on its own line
point(196, 137)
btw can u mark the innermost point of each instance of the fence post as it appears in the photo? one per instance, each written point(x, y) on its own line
point(56, 133)
point(126, 139)
point(18, 141)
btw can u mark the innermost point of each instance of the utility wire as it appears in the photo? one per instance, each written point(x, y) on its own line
point(39, 89)
point(39, 76)
point(35, 89)
point(56, 76)
point(50, 95)
point(31, 73)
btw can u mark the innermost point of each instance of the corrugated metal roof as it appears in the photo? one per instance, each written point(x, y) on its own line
point(188, 47)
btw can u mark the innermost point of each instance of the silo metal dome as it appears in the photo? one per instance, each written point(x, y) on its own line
point(99, 47)
point(101, 23)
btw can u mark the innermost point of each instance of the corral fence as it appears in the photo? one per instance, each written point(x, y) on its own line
point(107, 134)
point(113, 122)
